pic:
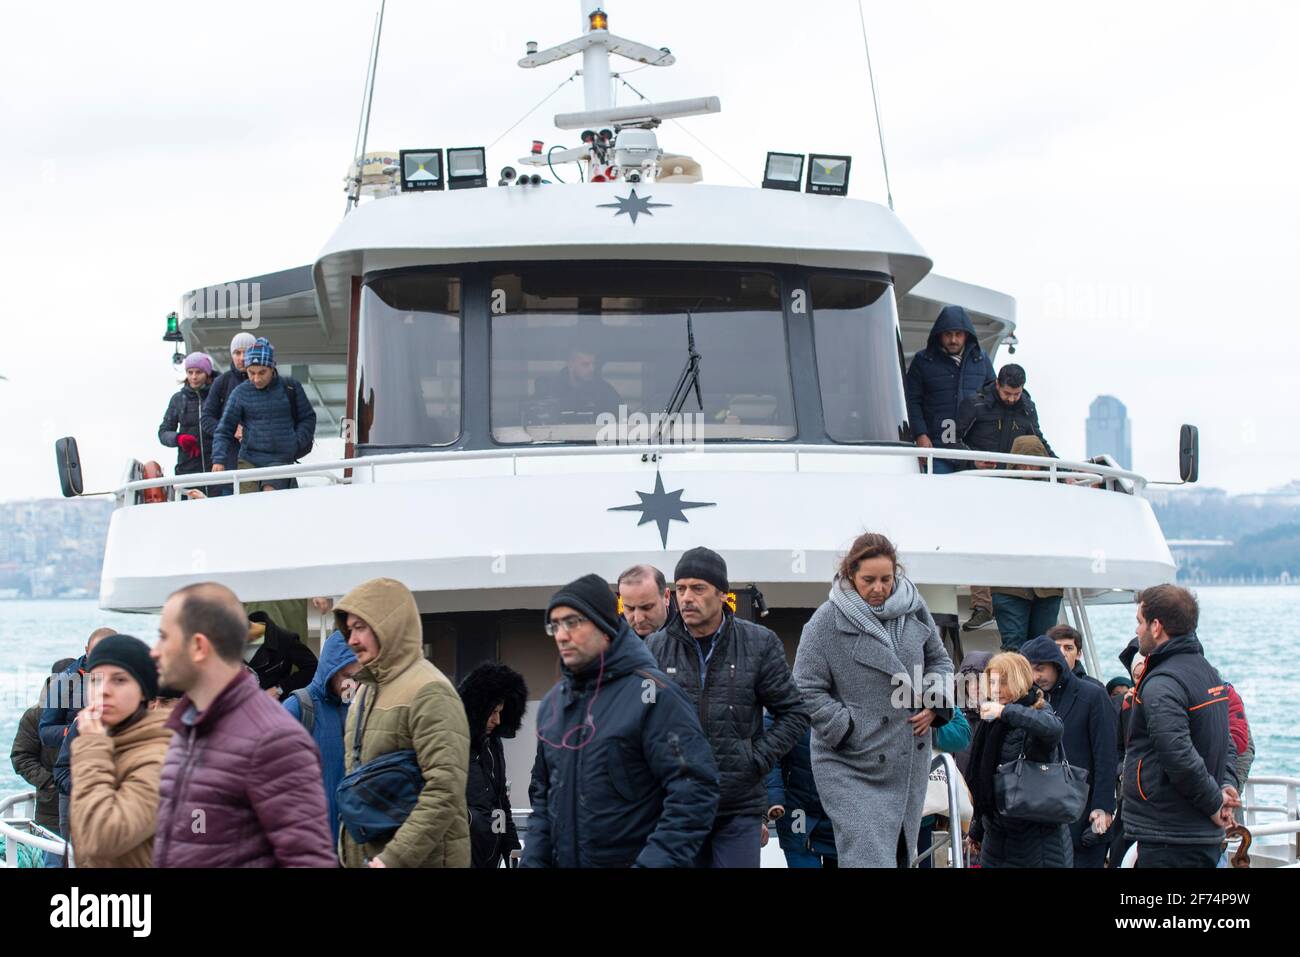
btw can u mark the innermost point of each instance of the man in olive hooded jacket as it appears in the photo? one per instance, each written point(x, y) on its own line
point(404, 702)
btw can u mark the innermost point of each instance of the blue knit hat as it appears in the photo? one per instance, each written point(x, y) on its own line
point(260, 353)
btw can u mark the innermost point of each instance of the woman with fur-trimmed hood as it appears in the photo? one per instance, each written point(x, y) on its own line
point(495, 697)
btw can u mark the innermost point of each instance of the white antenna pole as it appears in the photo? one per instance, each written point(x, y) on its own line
point(597, 85)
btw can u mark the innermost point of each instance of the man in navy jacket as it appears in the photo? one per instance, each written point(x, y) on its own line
point(951, 368)
point(278, 422)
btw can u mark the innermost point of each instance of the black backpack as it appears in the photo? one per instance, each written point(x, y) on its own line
point(291, 390)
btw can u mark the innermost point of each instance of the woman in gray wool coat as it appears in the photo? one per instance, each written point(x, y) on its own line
point(858, 663)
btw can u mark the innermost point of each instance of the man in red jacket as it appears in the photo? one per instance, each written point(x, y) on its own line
point(241, 786)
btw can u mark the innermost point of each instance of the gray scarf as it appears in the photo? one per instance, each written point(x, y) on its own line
point(885, 622)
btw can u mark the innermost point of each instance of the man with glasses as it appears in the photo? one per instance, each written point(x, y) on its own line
point(624, 776)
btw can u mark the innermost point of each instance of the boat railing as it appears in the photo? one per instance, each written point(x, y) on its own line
point(346, 471)
point(17, 812)
point(1252, 807)
point(953, 838)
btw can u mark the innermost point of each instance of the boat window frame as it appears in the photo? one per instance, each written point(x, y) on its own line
point(807, 275)
point(458, 272)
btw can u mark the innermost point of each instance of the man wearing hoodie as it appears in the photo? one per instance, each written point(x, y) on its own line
point(404, 703)
point(1089, 742)
point(277, 421)
point(951, 368)
point(219, 394)
point(1180, 783)
point(322, 709)
point(624, 776)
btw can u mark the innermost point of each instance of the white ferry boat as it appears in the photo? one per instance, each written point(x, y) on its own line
point(773, 326)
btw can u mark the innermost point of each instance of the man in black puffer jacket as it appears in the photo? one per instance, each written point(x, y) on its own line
point(1180, 785)
point(732, 669)
point(993, 419)
point(624, 776)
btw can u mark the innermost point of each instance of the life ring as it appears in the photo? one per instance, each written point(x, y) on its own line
point(152, 470)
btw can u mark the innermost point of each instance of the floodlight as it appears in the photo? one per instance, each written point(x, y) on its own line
point(828, 174)
point(783, 171)
point(466, 167)
point(421, 169)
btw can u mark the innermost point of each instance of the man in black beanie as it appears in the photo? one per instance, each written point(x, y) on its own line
point(731, 669)
point(624, 776)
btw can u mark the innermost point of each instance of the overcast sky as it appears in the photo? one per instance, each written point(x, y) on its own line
point(1126, 171)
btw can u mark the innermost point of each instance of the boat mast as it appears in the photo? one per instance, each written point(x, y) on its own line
point(597, 84)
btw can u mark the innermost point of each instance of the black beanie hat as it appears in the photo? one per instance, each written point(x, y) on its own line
point(132, 656)
point(704, 564)
point(590, 595)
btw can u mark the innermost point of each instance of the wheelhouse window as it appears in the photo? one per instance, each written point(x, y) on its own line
point(859, 365)
point(576, 348)
point(409, 360)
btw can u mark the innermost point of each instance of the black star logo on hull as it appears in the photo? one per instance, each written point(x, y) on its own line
point(661, 508)
point(633, 205)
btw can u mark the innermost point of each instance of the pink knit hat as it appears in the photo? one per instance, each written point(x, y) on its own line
point(198, 360)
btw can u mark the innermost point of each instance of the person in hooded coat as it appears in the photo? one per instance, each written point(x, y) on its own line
point(624, 775)
point(950, 369)
point(494, 697)
point(322, 708)
point(1018, 720)
point(871, 756)
point(405, 703)
point(1088, 740)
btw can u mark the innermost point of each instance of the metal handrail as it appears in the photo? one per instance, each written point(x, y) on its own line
point(956, 854)
point(13, 837)
point(1055, 470)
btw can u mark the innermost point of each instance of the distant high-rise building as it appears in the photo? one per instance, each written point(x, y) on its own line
point(1109, 430)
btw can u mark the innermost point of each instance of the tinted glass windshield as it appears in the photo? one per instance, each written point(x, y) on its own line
point(576, 347)
point(855, 324)
point(408, 363)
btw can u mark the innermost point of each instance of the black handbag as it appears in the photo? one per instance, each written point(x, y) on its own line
point(1045, 793)
point(376, 798)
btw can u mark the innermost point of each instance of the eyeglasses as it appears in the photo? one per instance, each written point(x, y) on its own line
point(569, 624)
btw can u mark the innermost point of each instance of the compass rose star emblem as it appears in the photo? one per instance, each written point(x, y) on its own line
point(633, 205)
point(661, 508)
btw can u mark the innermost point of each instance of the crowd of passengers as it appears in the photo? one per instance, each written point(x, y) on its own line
point(677, 735)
